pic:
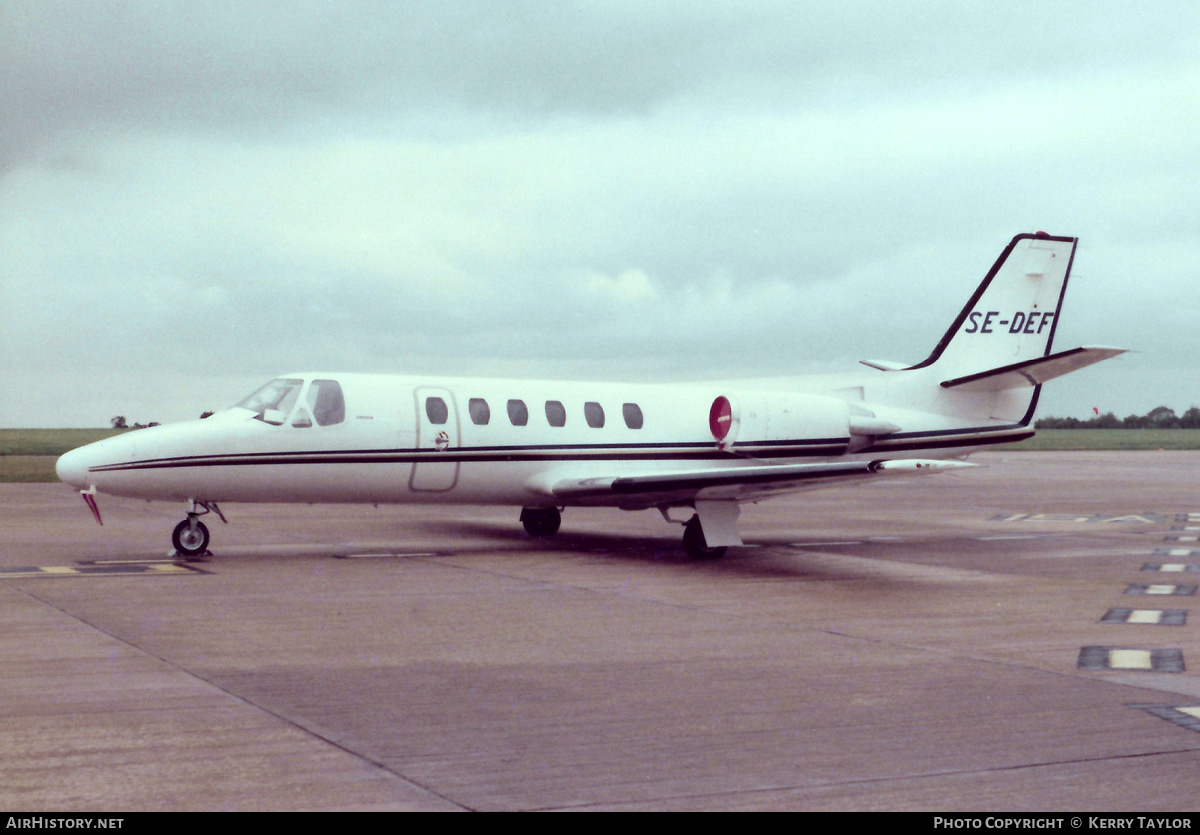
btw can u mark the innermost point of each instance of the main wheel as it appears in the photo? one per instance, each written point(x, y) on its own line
point(541, 521)
point(695, 545)
point(190, 541)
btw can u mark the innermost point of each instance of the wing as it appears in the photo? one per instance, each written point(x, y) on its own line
point(737, 483)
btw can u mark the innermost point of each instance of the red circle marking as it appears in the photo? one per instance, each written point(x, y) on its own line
point(720, 418)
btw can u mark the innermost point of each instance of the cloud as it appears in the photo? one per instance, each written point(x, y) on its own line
point(604, 189)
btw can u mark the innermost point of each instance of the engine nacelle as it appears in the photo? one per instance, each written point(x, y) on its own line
point(753, 419)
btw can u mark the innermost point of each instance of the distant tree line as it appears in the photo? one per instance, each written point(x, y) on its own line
point(119, 422)
point(1161, 417)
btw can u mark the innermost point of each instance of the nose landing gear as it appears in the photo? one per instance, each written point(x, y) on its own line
point(190, 536)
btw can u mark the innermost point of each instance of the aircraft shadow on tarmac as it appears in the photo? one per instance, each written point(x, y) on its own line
point(779, 557)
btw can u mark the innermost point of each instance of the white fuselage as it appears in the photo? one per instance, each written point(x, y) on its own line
point(412, 439)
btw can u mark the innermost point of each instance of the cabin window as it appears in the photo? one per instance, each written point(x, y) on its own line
point(518, 412)
point(479, 411)
point(594, 414)
point(435, 410)
point(556, 415)
point(633, 415)
point(326, 402)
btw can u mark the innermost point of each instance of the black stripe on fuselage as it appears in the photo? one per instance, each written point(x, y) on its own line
point(949, 443)
point(806, 448)
point(947, 438)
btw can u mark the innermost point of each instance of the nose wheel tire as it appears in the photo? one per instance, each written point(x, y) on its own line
point(541, 521)
point(695, 545)
point(188, 540)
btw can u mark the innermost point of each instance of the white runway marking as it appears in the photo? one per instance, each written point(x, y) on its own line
point(1145, 616)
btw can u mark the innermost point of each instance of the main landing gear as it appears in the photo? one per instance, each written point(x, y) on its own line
point(190, 536)
point(541, 521)
point(694, 543)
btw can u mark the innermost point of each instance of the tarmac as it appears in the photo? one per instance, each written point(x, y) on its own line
point(1016, 637)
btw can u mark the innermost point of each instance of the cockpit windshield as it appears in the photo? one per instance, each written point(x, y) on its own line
point(277, 399)
point(272, 402)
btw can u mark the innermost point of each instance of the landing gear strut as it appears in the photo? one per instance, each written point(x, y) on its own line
point(190, 536)
point(541, 521)
point(695, 545)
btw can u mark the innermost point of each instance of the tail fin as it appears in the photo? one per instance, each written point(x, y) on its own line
point(1013, 314)
point(992, 361)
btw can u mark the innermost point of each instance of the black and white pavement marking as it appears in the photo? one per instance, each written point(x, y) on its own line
point(1172, 567)
point(1124, 658)
point(1186, 716)
point(1188, 530)
point(1175, 590)
point(1155, 617)
point(1172, 560)
point(1177, 552)
point(1187, 522)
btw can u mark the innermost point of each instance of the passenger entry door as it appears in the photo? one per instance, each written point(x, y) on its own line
point(438, 439)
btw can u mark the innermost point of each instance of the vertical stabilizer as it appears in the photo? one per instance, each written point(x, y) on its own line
point(1012, 316)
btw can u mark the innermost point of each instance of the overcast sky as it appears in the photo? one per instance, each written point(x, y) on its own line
point(196, 197)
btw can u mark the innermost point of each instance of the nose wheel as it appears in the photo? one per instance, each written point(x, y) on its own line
point(190, 537)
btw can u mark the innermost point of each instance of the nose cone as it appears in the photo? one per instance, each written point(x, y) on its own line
point(72, 468)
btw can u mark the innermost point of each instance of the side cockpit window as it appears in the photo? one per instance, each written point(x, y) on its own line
point(326, 402)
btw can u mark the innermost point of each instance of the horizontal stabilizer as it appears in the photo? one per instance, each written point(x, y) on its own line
point(1032, 372)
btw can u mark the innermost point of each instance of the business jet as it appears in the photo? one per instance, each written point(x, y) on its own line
point(701, 450)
